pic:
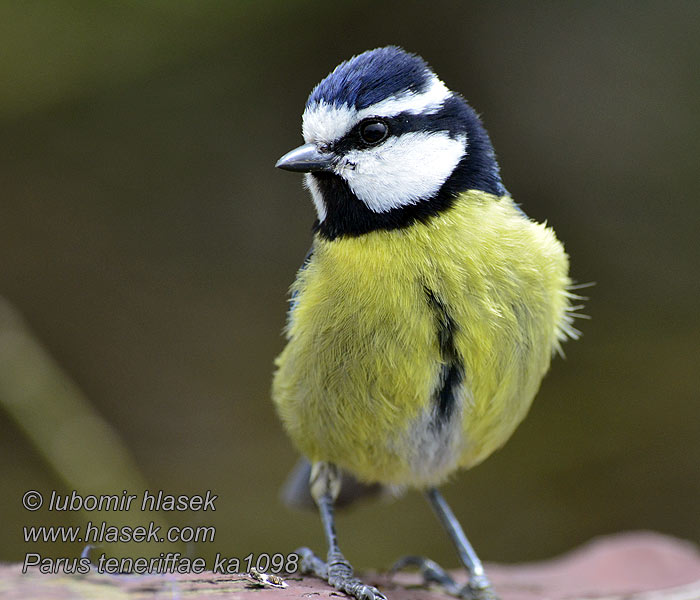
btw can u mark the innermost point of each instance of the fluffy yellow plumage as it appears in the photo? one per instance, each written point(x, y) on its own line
point(355, 385)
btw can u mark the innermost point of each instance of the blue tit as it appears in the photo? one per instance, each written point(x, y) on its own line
point(427, 310)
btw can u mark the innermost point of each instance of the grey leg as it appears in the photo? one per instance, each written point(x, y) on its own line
point(325, 486)
point(479, 585)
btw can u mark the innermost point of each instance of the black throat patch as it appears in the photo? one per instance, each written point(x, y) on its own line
point(347, 215)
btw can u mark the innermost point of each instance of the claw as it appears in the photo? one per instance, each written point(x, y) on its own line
point(470, 592)
point(478, 588)
point(430, 571)
point(338, 573)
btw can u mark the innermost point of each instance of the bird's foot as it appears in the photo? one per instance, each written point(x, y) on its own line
point(477, 588)
point(338, 573)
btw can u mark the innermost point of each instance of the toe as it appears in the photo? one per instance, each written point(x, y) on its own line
point(478, 593)
point(430, 571)
point(368, 592)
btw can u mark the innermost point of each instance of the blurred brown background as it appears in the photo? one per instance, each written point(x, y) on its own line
point(148, 244)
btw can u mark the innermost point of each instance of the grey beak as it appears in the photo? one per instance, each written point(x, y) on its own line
point(306, 159)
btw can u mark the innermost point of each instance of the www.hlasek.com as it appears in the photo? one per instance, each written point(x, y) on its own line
point(101, 532)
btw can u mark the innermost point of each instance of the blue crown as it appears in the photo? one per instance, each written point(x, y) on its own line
point(372, 76)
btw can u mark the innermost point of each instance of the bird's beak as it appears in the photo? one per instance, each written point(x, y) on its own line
point(307, 159)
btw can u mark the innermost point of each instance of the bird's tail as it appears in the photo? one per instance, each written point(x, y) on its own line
point(295, 491)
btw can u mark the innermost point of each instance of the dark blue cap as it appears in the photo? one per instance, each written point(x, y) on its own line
point(372, 76)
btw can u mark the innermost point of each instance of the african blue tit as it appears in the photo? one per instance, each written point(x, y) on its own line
point(427, 310)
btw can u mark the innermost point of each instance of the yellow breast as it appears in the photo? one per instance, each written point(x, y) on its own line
point(357, 382)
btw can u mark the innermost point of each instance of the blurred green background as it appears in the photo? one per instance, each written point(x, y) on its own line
point(148, 244)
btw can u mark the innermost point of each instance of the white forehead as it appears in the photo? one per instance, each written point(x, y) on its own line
point(324, 123)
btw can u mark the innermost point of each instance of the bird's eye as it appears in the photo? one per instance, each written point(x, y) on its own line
point(373, 132)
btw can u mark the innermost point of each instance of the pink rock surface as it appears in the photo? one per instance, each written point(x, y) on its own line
point(621, 565)
point(630, 566)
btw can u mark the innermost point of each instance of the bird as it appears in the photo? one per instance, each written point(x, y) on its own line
point(425, 314)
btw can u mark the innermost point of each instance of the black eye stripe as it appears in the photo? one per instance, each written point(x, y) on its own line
point(446, 119)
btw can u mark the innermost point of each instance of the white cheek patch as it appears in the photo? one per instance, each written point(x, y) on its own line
point(403, 170)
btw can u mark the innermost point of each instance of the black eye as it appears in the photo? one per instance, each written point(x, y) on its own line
point(373, 132)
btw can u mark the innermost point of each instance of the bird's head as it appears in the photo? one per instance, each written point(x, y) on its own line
point(387, 143)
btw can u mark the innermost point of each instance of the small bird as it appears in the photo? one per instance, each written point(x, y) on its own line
point(426, 312)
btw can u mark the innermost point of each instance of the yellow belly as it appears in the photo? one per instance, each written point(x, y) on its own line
point(356, 382)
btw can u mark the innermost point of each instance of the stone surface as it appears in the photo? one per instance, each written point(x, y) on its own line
point(630, 566)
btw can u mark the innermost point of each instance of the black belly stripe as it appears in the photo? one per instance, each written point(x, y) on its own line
point(452, 373)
